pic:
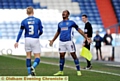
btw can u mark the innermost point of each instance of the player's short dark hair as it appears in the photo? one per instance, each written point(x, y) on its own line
point(84, 15)
point(68, 12)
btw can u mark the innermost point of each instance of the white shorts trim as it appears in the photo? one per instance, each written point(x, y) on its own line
point(67, 46)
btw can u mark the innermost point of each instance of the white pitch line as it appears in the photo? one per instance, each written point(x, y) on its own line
point(114, 65)
point(97, 71)
point(105, 72)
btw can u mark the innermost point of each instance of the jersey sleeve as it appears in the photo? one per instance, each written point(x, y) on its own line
point(40, 27)
point(20, 31)
point(58, 28)
point(22, 25)
point(75, 26)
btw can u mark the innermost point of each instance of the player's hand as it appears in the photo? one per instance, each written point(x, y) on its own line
point(51, 42)
point(16, 45)
point(89, 40)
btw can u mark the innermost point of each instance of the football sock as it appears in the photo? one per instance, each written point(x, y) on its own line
point(28, 64)
point(62, 61)
point(36, 62)
point(76, 61)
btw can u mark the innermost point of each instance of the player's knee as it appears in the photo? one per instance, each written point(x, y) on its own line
point(74, 57)
point(62, 56)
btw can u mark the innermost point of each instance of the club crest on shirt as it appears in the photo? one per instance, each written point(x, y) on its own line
point(67, 23)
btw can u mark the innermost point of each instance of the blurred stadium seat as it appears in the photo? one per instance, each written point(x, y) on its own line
point(18, 4)
point(116, 4)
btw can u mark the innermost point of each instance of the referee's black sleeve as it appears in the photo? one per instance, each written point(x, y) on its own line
point(88, 29)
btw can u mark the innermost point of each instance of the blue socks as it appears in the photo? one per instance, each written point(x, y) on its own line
point(76, 61)
point(36, 62)
point(62, 61)
point(28, 64)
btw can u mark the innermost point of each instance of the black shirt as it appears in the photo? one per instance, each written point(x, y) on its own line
point(88, 29)
point(108, 39)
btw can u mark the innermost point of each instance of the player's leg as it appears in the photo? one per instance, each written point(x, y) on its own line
point(62, 61)
point(36, 60)
point(62, 51)
point(28, 62)
point(35, 63)
point(61, 64)
point(97, 53)
point(28, 55)
point(100, 53)
point(89, 66)
point(76, 61)
point(72, 50)
point(35, 44)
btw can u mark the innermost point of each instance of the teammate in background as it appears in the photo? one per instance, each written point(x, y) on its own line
point(98, 39)
point(88, 32)
point(66, 44)
point(33, 30)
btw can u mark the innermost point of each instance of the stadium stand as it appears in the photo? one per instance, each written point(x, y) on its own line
point(76, 7)
point(116, 4)
point(18, 4)
point(107, 14)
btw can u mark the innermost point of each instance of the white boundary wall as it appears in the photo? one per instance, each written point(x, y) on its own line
point(106, 52)
point(8, 46)
point(47, 51)
point(117, 53)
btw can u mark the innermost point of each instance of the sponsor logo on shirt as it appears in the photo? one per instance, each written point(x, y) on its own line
point(64, 28)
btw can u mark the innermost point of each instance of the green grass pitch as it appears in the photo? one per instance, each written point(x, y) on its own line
point(15, 66)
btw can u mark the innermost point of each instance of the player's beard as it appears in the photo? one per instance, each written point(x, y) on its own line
point(64, 17)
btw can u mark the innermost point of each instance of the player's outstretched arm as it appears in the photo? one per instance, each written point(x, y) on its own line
point(54, 38)
point(82, 33)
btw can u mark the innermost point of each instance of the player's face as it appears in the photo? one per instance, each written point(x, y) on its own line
point(65, 14)
point(84, 19)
